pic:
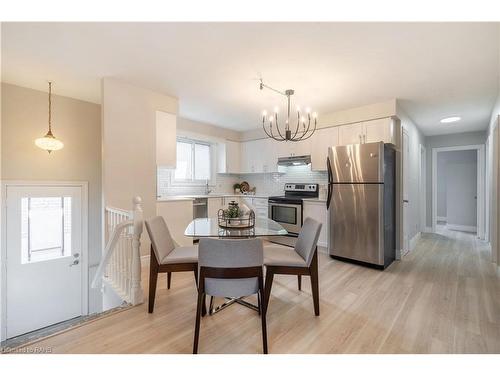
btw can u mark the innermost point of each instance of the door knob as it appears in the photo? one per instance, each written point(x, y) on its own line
point(76, 255)
point(75, 262)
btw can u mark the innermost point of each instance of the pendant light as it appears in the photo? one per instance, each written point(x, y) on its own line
point(48, 142)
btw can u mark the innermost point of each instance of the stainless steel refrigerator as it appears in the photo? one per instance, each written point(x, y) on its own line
point(361, 203)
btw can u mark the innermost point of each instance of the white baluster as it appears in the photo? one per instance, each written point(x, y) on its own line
point(136, 289)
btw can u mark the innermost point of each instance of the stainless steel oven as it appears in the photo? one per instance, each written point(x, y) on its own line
point(288, 214)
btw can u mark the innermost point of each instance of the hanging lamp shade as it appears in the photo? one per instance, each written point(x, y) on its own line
point(49, 142)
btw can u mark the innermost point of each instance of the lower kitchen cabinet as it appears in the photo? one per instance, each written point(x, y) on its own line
point(177, 214)
point(317, 210)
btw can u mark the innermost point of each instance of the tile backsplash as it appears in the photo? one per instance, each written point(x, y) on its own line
point(265, 183)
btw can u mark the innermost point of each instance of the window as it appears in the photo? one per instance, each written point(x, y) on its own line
point(45, 228)
point(194, 161)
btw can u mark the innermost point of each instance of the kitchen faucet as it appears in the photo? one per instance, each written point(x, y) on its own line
point(207, 190)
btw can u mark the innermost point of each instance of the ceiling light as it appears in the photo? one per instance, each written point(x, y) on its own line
point(448, 120)
point(287, 132)
point(48, 142)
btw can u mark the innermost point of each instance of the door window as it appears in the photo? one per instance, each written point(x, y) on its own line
point(45, 228)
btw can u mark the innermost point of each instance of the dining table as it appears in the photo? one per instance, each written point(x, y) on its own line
point(210, 227)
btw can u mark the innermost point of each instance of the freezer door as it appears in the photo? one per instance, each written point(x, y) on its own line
point(357, 163)
point(356, 220)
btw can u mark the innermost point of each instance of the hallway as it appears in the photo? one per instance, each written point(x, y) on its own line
point(444, 297)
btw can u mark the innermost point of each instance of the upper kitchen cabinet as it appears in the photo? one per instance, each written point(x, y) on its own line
point(350, 134)
point(380, 130)
point(259, 156)
point(229, 157)
point(320, 141)
point(166, 141)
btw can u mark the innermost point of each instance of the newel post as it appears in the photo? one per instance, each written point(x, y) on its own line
point(136, 293)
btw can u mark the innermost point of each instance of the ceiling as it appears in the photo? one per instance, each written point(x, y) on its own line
point(435, 69)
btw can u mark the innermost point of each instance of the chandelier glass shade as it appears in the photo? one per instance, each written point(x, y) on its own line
point(303, 129)
point(48, 142)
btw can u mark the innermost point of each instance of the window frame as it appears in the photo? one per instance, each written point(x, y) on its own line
point(193, 181)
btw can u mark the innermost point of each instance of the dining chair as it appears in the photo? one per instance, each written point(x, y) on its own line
point(166, 256)
point(230, 268)
point(301, 260)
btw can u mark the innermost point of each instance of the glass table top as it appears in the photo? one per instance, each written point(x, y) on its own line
point(209, 227)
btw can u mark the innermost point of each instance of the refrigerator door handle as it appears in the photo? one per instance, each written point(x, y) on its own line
point(330, 181)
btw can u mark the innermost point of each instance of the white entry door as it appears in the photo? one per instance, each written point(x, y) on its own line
point(44, 256)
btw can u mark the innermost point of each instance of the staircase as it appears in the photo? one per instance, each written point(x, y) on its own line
point(120, 267)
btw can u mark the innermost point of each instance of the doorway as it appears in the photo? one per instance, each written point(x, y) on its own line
point(45, 250)
point(458, 188)
point(406, 185)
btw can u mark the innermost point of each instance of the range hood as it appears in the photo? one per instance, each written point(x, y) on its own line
point(294, 160)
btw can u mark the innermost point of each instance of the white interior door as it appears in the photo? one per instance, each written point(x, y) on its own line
point(44, 256)
point(406, 185)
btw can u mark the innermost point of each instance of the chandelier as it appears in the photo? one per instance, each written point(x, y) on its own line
point(302, 131)
point(48, 142)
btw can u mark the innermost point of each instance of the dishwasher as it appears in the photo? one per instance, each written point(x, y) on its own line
point(200, 210)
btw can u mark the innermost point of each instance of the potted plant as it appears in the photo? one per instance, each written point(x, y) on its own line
point(237, 188)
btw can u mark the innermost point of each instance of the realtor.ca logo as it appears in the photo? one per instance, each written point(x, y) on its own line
point(27, 350)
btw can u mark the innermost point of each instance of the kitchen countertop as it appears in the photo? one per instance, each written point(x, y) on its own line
point(192, 197)
point(262, 196)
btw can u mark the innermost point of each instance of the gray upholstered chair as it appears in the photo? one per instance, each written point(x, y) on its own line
point(230, 268)
point(166, 256)
point(303, 260)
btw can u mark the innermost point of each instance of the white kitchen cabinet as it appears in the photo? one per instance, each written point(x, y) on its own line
point(378, 130)
point(233, 156)
point(214, 205)
point(166, 139)
point(259, 205)
point(317, 211)
point(229, 157)
point(320, 142)
point(350, 134)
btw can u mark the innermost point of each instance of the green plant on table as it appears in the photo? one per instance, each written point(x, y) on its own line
point(232, 212)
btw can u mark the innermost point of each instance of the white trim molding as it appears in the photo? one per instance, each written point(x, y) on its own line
point(462, 228)
point(442, 218)
point(480, 184)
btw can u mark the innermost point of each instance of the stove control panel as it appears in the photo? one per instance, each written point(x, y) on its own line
point(311, 188)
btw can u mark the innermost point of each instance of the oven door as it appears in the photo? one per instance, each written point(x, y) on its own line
point(288, 215)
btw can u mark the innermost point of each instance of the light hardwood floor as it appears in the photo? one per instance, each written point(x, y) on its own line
point(443, 297)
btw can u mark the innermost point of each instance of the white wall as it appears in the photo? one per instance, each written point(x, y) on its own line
point(441, 185)
point(416, 139)
point(78, 125)
point(129, 144)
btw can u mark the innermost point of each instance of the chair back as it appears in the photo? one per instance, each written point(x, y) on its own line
point(229, 253)
point(308, 239)
point(160, 237)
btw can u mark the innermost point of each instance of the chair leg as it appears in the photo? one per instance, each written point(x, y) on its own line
point(169, 279)
point(204, 305)
point(313, 269)
point(267, 288)
point(197, 323)
point(262, 312)
point(259, 303)
point(153, 278)
point(299, 281)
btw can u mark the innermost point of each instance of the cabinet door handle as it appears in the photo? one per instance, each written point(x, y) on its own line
point(360, 141)
point(364, 138)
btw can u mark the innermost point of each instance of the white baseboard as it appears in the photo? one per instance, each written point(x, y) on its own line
point(462, 228)
point(323, 245)
point(414, 240)
point(442, 218)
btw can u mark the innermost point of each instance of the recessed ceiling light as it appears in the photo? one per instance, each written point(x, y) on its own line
point(447, 120)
